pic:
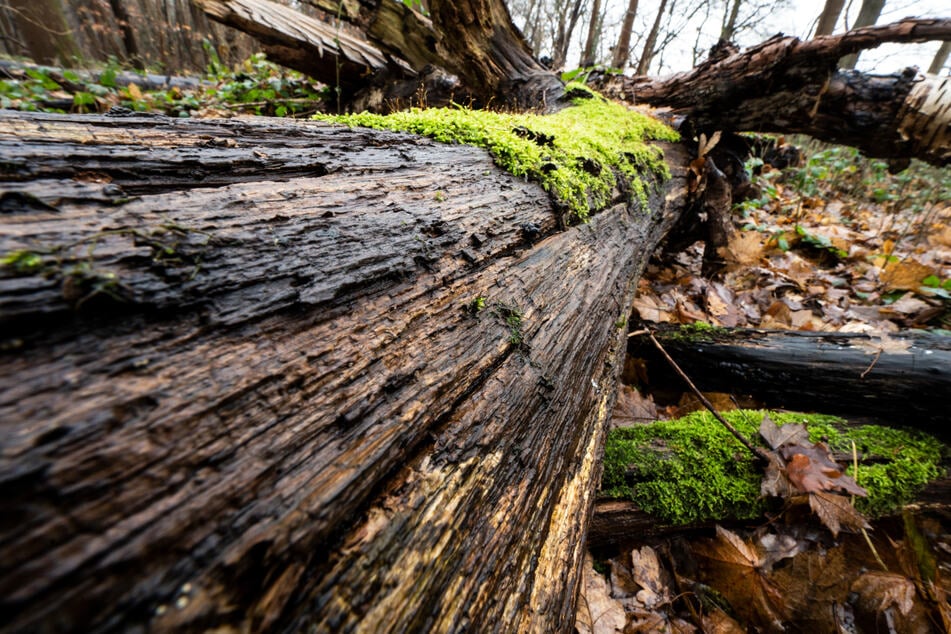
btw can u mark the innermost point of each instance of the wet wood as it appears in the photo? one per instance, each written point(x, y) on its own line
point(266, 375)
point(621, 522)
point(899, 380)
point(791, 86)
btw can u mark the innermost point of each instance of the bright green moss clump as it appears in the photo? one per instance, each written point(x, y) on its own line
point(691, 469)
point(573, 153)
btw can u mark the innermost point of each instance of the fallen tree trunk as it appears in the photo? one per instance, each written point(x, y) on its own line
point(900, 380)
point(792, 86)
point(275, 375)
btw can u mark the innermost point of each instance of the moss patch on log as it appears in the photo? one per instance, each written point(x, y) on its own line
point(577, 154)
point(691, 469)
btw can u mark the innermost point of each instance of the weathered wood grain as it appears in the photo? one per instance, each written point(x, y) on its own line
point(241, 387)
point(898, 380)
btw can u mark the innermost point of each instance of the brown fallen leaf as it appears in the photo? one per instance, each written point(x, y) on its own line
point(597, 612)
point(735, 569)
point(649, 308)
point(904, 274)
point(631, 408)
point(889, 602)
point(745, 247)
point(836, 512)
point(811, 468)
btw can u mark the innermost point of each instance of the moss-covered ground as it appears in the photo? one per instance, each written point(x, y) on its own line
point(691, 469)
point(577, 154)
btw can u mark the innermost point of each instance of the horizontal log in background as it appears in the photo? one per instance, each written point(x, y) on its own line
point(241, 387)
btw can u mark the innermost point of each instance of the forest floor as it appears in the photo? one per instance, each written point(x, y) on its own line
point(835, 243)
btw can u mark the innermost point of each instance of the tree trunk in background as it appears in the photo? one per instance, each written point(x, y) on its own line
point(588, 55)
point(940, 58)
point(829, 17)
point(43, 28)
point(566, 28)
point(643, 64)
point(868, 16)
point(729, 22)
point(248, 382)
point(622, 51)
point(126, 29)
point(124, 22)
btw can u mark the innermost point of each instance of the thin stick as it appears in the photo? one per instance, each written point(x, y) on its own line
point(872, 364)
point(855, 476)
point(756, 451)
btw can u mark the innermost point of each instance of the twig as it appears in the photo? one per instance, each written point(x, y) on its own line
point(855, 476)
point(872, 364)
point(756, 451)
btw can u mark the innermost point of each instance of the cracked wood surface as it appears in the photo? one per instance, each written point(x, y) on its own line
point(241, 389)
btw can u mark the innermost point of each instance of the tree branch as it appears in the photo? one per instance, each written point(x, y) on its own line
point(787, 85)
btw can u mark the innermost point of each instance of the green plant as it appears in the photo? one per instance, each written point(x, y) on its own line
point(512, 316)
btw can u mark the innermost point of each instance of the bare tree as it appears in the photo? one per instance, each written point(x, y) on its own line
point(829, 17)
point(940, 58)
point(648, 53)
point(729, 20)
point(622, 51)
point(868, 15)
point(567, 21)
point(594, 34)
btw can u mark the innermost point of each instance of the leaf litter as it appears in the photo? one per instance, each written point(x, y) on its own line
point(843, 262)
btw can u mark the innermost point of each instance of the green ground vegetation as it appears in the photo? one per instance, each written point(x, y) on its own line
point(691, 469)
point(577, 154)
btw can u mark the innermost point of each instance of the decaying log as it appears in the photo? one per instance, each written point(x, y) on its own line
point(278, 375)
point(900, 380)
point(479, 55)
point(620, 522)
point(792, 86)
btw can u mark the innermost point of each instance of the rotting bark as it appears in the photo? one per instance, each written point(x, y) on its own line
point(478, 54)
point(901, 380)
point(791, 86)
point(247, 383)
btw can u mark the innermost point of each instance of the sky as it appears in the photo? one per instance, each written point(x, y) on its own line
point(791, 17)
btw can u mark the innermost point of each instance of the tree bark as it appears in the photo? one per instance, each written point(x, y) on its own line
point(829, 16)
point(940, 58)
point(42, 28)
point(647, 54)
point(901, 380)
point(787, 85)
point(286, 376)
point(622, 52)
point(589, 55)
point(868, 16)
point(473, 41)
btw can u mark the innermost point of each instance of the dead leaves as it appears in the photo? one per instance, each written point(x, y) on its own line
point(741, 568)
point(772, 579)
point(798, 466)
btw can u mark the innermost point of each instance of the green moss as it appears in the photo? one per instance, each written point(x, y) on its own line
point(691, 469)
point(576, 153)
point(699, 331)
